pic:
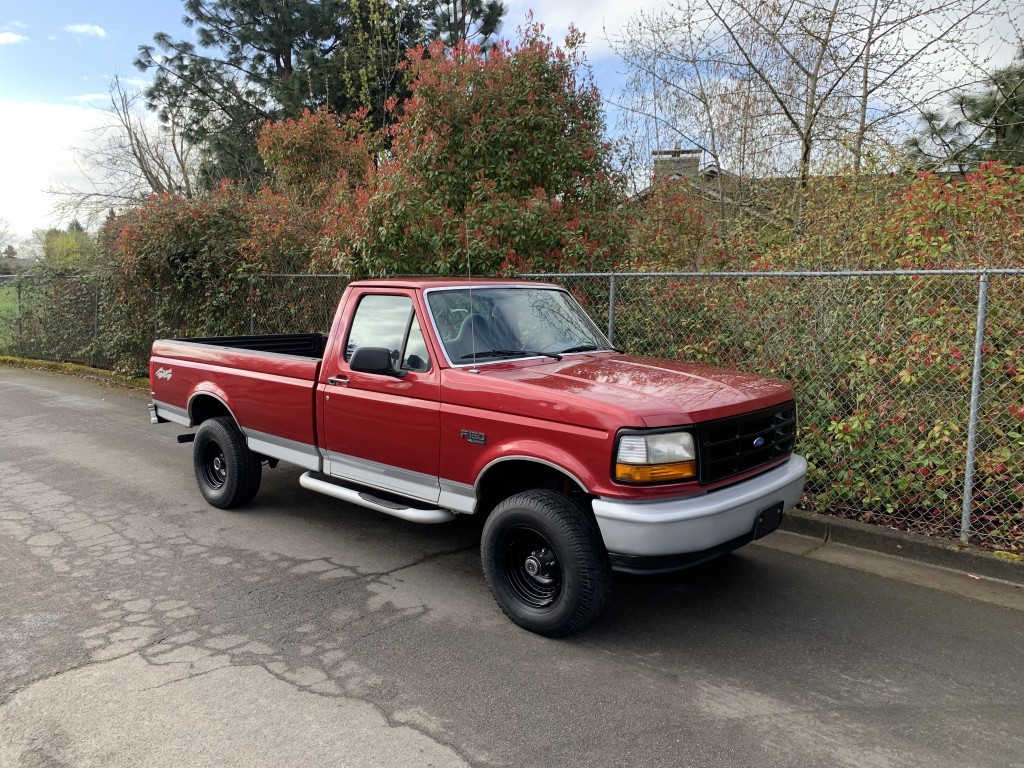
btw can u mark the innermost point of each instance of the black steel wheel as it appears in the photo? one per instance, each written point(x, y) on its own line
point(529, 566)
point(545, 563)
point(227, 472)
point(214, 466)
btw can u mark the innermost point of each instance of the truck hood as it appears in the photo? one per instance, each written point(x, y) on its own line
point(661, 393)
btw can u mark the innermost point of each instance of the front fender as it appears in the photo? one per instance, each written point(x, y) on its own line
point(548, 454)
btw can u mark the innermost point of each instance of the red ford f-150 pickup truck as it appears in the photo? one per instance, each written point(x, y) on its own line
point(430, 399)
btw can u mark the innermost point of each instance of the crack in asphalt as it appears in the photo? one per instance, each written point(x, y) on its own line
point(187, 678)
point(10, 695)
point(426, 559)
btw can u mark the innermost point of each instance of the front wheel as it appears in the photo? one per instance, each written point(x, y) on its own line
point(545, 563)
point(227, 472)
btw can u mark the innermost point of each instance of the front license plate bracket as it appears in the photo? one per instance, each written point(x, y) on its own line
point(768, 519)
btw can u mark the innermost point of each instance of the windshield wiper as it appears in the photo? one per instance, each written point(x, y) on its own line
point(510, 353)
point(588, 348)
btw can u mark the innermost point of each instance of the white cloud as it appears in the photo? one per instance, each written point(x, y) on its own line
point(12, 38)
point(134, 82)
point(87, 98)
point(35, 154)
point(86, 30)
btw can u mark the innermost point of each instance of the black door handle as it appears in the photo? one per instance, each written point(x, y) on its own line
point(338, 381)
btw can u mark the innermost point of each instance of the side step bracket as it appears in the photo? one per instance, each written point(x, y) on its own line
point(365, 499)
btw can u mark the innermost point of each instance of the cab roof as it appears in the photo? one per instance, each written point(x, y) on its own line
point(422, 283)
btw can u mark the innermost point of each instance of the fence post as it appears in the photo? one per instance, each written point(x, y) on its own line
point(612, 290)
point(18, 323)
point(972, 429)
point(95, 326)
point(156, 314)
point(252, 305)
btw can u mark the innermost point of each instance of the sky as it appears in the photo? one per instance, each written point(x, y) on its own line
point(57, 58)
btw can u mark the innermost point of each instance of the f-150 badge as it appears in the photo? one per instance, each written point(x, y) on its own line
point(476, 438)
point(164, 373)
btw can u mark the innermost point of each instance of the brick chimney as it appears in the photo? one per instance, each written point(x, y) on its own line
point(676, 163)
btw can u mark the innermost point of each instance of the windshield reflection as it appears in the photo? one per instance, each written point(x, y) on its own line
point(505, 323)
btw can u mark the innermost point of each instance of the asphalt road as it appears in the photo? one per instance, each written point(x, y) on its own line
point(141, 627)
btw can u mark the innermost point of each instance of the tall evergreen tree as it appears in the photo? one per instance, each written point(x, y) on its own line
point(997, 112)
point(475, 21)
point(944, 143)
point(984, 125)
point(255, 61)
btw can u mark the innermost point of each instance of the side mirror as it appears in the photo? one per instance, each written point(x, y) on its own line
point(374, 360)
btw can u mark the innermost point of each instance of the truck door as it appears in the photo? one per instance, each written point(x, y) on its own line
point(383, 430)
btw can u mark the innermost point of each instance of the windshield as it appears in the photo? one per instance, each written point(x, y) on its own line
point(499, 323)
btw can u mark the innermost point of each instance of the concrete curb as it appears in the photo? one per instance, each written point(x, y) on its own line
point(74, 369)
point(912, 546)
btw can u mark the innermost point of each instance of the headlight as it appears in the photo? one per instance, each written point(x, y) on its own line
point(656, 458)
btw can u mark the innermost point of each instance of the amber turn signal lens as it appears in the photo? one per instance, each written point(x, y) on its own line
point(655, 473)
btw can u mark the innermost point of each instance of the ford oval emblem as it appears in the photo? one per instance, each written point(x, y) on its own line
point(758, 442)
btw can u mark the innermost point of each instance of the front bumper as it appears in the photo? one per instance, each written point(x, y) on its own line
point(665, 535)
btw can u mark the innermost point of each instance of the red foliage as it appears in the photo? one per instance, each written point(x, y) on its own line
point(309, 156)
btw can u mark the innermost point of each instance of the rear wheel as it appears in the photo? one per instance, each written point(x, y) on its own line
point(227, 472)
point(545, 563)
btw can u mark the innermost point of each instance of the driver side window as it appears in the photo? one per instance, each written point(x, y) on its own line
point(415, 357)
point(390, 322)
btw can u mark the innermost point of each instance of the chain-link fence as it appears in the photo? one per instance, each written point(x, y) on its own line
point(910, 417)
point(91, 320)
point(293, 303)
point(54, 319)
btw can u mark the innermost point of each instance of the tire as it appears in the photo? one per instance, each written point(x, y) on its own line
point(545, 563)
point(227, 472)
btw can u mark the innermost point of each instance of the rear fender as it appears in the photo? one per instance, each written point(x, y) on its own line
point(206, 401)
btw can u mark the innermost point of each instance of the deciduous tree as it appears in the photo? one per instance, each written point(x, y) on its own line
point(130, 157)
point(62, 251)
point(6, 235)
point(497, 163)
point(787, 88)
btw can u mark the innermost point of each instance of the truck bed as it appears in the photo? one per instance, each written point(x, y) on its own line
point(266, 382)
point(297, 344)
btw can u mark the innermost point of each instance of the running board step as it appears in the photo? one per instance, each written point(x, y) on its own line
point(364, 499)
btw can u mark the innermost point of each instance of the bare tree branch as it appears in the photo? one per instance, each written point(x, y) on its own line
point(132, 157)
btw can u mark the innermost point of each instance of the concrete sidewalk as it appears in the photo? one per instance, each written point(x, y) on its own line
point(910, 546)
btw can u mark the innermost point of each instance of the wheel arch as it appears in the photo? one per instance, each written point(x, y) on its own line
point(208, 403)
point(509, 475)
